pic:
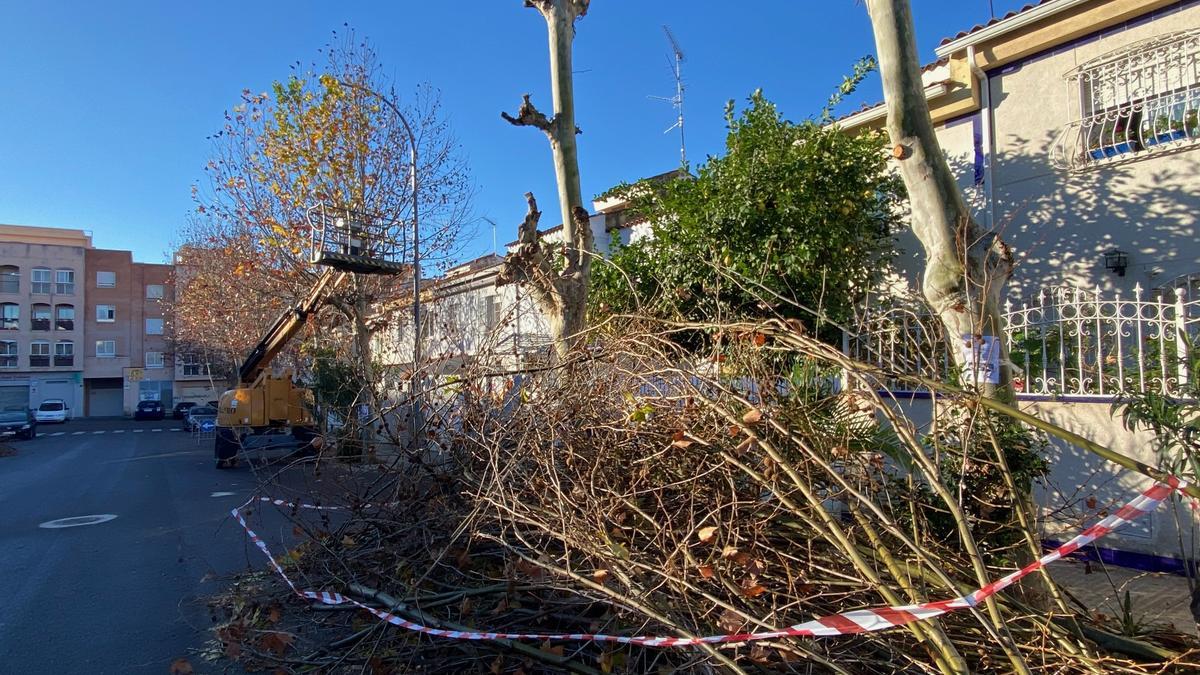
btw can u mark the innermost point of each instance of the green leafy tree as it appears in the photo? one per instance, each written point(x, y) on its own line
point(795, 220)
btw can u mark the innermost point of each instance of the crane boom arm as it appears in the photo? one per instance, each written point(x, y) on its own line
point(287, 325)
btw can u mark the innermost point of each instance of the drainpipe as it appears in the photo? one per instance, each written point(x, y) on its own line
point(985, 117)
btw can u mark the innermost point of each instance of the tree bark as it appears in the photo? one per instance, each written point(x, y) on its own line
point(966, 266)
point(560, 295)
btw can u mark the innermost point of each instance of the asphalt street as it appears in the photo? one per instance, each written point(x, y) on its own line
point(126, 595)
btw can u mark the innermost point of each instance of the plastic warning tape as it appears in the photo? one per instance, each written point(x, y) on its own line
point(845, 623)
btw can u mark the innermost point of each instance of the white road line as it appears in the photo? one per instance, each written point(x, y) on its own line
point(156, 430)
point(138, 431)
point(78, 433)
point(118, 431)
point(57, 433)
point(174, 429)
point(94, 433)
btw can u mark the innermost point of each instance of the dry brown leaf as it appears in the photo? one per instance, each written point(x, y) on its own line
point(730, 621)
point(752, 416)
point(760, 339)
point(600, 576)
point(682, 444)
point(181, 667)
point(706, 571)
point(274, 614)
point(497, 666)
point(746, 445)
point(556, 650)
point(677, 436)
point(706, 534)
point(754, 591)
point(349, 542)
point(729, 551)
point(734, 430)
point(276, 642)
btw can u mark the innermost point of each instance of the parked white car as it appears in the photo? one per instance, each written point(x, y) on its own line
point(53, 410)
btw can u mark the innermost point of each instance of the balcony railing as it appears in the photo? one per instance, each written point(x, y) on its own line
point(39, 361)
point(10, 286)
point(64, 324)
point(68, 360)
point(1064, 342)
point(40, 324)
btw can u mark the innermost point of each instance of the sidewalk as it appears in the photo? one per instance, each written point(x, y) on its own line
point(1156, 598)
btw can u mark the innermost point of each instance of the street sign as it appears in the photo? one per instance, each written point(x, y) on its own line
point(207, 426)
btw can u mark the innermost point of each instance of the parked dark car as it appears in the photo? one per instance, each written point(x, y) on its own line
point(198, 415)
point(149, 410)
point(19, 421)
point(181, 409)
point(213, 404)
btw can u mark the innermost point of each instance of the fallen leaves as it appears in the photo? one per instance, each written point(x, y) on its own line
point(752, 416)
point(600, 576)
point(181, 667)
point(706, 534)
point(276, 642)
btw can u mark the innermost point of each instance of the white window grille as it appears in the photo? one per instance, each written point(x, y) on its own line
point(106, 279)
point(154, 359)
point(1135, 101)
point(39, 277)
point(64, 353)
point(64, 282)
point(1063, 342)
point(193, 365)
point(39, 354)
point(106, 313)
point(106, 349)
point(8, 354)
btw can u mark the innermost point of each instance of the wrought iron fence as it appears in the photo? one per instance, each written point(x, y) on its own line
point(1062, 342)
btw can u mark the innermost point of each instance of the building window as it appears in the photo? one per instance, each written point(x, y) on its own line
point(106, 279)
point(154, 359)
point(39, 354)
point(8, 354)
point(193, 365)
point(10, 316)
point(64, 317)
point(106, 313)
point(154, 326)
point(1133, 101)
point(10, 279)
point(106, 349)
point(64, 353)
point(154, 292)
point(64, 282)
point(39, 316)
point(40, 279)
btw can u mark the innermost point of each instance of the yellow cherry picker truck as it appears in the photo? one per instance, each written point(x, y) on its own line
point(345, 243)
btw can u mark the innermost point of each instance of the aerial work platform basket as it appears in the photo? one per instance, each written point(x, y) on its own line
point(355, 241)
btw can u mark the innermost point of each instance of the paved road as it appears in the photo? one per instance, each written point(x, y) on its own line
point(123, 596)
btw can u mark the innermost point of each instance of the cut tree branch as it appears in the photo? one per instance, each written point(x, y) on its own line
point(529, 116)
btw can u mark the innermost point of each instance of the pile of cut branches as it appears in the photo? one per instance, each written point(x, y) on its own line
point(638, 489)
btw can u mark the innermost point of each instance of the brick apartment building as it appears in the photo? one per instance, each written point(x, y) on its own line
point(126, 356)
point(80, 323)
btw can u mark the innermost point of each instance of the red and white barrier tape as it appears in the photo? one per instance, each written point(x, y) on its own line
point(845, 623)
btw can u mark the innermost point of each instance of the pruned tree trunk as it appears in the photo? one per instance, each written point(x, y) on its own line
point(560, 295)
point(966, 266)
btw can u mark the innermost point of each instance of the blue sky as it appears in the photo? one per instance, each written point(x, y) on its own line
point(107, 105)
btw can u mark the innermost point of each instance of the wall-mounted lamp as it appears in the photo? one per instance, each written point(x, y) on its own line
point(1116, 260)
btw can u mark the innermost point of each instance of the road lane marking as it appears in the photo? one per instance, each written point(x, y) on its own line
point(222, 494)
point(97, 432)
point(76, 521)
point(174, 429)
point(118, 431)
point(183, 453)
point(57, 433)
point(156, 430)
point(78, 433)
point(138, 431)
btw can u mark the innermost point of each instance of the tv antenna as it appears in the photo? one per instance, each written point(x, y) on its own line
point(676, 101)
